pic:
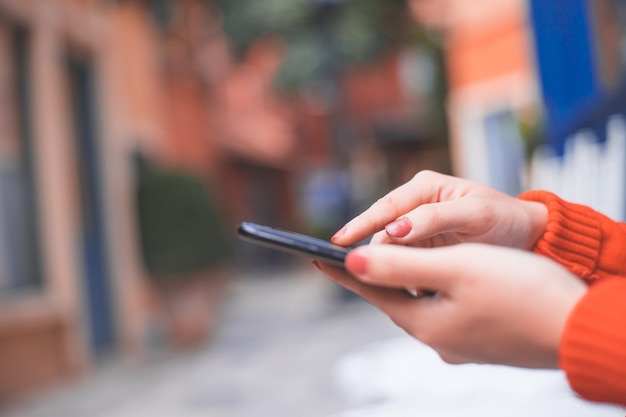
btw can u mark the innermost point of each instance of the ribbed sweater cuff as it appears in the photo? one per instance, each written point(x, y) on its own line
point(593, 345)
point(573, 235)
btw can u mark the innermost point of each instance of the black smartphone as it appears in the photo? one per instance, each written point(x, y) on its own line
point(292, 242)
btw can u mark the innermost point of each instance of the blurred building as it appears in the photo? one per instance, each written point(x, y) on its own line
point(90, 87)
point(86, 86)
point(492, 84)
point(581, 65)
point(390, 106)
point(538, 81)
point(376, 134)
point(68, 253)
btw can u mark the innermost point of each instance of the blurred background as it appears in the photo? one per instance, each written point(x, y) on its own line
point(135, 135)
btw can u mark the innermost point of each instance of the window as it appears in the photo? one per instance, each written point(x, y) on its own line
point(19, 267)
point(505, 150)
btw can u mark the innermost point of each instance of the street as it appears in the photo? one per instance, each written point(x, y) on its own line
point(289, 345)
point(273, 355)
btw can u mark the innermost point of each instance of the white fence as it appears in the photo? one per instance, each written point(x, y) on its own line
point(590, 172)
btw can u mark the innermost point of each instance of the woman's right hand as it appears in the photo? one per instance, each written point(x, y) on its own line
point(433, 210)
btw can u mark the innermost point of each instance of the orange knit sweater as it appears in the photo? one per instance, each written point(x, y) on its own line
point(593, 344)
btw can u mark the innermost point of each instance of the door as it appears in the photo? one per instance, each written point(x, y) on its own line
point(93, 251)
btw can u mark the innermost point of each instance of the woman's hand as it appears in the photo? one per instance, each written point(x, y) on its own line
point(435, 210)
point(492, 304)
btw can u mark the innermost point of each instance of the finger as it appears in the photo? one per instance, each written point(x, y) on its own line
point(452, 358)
point(425, 187)
point(429, 220)
point(395, 266)
point(380, 238)
point(392, 302)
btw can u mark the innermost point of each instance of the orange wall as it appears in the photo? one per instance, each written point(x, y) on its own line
point(490, 67)
point(484, 52)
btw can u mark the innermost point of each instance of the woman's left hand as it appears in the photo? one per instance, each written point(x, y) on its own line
point(492, 304)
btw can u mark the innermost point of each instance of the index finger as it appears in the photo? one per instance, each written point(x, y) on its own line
point(394, 266)
point(390, 301)
point(424, 187)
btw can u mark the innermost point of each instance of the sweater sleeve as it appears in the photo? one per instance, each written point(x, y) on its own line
point(586, 242)
point(593, 344)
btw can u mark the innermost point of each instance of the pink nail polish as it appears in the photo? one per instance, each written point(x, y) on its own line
point(356, 261)
point(317, 265)
point(399, 228)
point(340, 233)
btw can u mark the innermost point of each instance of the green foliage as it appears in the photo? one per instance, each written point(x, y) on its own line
point(322, 36)
point(531, 129)
point(180, 227)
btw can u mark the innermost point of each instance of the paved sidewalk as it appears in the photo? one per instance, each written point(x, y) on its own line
point(288, 347)
point(273, 355)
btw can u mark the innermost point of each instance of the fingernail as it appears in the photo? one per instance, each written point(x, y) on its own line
point(340, 233)
point(317, 265)
point(356, 261)
point(399, 228)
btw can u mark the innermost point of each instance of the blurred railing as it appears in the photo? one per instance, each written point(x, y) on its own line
point(592, 169)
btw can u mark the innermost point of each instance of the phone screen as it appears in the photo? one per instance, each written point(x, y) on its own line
point(293, 243)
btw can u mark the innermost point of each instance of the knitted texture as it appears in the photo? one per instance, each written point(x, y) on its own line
point(593, 344)
point(572, 236)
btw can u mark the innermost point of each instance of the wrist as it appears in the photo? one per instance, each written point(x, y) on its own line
point(537, 213)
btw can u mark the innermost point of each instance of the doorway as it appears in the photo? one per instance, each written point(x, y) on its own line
point(92, 247)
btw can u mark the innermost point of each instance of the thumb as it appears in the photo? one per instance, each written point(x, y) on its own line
point(429, 220)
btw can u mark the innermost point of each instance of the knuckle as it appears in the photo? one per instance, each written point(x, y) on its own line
point(388, 205)
point(380, 238)
point(428, 338)
point(429, 216)
point(431, 213)
point(398, 321)
point(425, 175)
point(428, 335)
point(450, 359)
